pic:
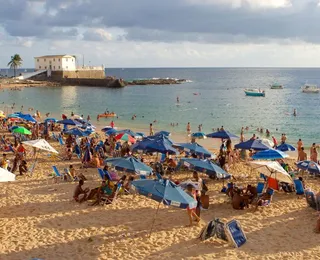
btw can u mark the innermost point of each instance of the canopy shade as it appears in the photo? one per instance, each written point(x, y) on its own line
point(41, 144)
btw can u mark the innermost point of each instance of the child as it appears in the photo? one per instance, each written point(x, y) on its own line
point(191, 212)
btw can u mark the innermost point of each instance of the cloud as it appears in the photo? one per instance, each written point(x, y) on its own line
point(97, 35)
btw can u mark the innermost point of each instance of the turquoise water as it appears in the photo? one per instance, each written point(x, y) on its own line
point(220, 100)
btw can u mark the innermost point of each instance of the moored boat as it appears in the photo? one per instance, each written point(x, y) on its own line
point(276, 86)
point(310, 89)
point(254, 92)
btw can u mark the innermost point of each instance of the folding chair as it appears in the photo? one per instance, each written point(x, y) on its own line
point(31, 169)
point(68, 174)
point(58, 175)
point(61, 142)
point(111, 200)
point(260, 188)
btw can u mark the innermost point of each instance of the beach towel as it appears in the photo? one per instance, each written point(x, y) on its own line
point(235, 233)
point(273, 184)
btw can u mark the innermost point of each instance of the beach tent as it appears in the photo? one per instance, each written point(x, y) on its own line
point(199, 135)
point(285, 147)
point(252, 144)
point(195, 148)
point(205, 166)
point(309, 166)
point(129, 164)
point(272, 169)
point(222, 135)
point(6, 176)
point(41, 144)
point(270, 154)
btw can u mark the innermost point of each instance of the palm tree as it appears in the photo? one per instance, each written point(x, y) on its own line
point(15, 62)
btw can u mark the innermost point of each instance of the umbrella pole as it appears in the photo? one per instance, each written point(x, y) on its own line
point(154, 219)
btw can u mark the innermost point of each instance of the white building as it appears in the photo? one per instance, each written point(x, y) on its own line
point(55, 63)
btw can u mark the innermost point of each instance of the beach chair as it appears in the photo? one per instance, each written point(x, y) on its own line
point(260, 187)
point(31, 169)
point(267, 203)
point(68, 174)
point(61, 142)
point(58, 176)
point(299, 187)
point(101, 173)
point(311, 200)
point(112, 200)
point(54, 137)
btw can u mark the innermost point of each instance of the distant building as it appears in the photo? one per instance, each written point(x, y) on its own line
point(55, 63)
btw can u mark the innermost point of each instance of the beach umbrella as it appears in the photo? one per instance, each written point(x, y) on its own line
point(50, 120)
point(252, 144)
point(106, 128)
point(13, 116)
point(75, 131)
point(267, 142)
point(69, 122)
point(165, 133)
point(206, 166)
point(21, 130)
point(309, 166)
point(127, 131)
point(161, 145)
point(111, 131)
point(125, 137)
point(270, 154)
point(6, 176)
point(165, 191)
point(195, 148)
point(27, 117)
point(141, 134)
point(222, 135)
point(129, 164)
point(199, 135)
point(184, 184)
point(285, 147)
point(41, 144)
point(271, 169)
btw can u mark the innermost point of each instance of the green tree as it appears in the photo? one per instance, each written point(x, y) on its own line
point(15, 62)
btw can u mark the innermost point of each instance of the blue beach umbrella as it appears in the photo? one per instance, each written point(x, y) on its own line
point(285, 147)
point(69, 122)
point(106, 128)
point(111, 131)
point(309, 166)
point(127, 131)
point(140, 134)
point(222, 135)
point(13, 116)
point(252, 144)
point(195, 148)
point(161, 145)
point(166, 192)
point(206, 166)
point(270, 154)
point(129, 164)
point(199, 135)
point(27, 117)
point(75, 131)
point(50, 120)
point(165, 133)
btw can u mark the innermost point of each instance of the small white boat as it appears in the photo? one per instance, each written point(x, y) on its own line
point(254, 92)
point(310, 89)
point(276, 86)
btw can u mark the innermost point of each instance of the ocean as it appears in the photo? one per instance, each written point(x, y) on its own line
point(213, 97)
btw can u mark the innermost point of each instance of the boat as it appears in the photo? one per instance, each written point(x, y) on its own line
point(276, 86)
point(107, 115)
point(310, 89)
point(254, 92)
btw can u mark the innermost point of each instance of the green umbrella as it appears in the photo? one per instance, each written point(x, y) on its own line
point(21, 130)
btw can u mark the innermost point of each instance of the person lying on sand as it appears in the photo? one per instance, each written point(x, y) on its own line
point(80, 195)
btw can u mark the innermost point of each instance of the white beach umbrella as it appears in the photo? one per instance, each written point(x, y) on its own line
point(267, 142)
point(41, 144)
point(6, 176)
point(272, 169)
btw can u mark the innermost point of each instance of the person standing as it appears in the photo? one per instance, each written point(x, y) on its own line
point(275, 142)
point(112, 124)
point(188, 128)
point(314, 153)
point(300, 145)
point(151, 130)
point(302, 155)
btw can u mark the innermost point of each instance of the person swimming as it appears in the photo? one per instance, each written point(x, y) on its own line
point(294, 112)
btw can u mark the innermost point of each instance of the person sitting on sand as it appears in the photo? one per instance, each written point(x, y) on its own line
point(95, 162)
point(80, 195)
point(252, 192)
point(238, 201)
point(264, 198)
point(191, 211)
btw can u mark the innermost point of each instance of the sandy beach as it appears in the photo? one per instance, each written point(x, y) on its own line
point(40, 219)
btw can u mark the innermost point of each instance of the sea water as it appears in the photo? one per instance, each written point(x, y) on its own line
point(213, 97)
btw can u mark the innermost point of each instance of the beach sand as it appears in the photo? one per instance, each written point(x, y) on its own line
point(40, 219)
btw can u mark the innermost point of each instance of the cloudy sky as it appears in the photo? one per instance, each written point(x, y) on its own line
point(164, 33)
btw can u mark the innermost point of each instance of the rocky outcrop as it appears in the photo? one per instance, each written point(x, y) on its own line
point(154, 82)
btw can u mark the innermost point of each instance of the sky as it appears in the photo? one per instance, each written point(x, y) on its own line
point(164, 33)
